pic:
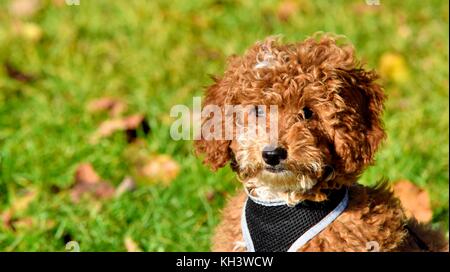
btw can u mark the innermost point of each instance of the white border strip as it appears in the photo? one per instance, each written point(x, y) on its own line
point(317, 228)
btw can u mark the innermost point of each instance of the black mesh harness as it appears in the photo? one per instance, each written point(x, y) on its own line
point(273, 226)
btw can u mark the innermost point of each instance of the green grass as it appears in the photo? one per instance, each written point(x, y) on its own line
point(155, 54)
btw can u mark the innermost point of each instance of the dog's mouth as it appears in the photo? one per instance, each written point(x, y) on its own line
point(275, 169)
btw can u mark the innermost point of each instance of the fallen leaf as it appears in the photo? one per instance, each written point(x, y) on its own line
point(287, 9)
point(7, 218)
point(392, 66)
point(23, 223)
point(131, 245)
point(126, 185)
point(101, 190)
point(29, 31)
point(59, 3)
point(24, 8)
point(107, 128)
point(16, 74)
point(19, 205)
point(133, 123)
point(113, 106)
point(129, 124)
point(415, 200)
point(87, 181)
point(32, 32)
point(159, 168)
point(85, 173)
point(365, 9)
point(148, 168)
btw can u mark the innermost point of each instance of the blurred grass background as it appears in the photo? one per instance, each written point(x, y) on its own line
point(155, 54)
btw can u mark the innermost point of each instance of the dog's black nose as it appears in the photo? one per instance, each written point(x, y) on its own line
point(273, 156)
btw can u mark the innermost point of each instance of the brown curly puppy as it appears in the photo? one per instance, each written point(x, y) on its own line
point(329, 128)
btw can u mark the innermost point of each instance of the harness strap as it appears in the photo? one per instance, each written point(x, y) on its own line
point(316, 229)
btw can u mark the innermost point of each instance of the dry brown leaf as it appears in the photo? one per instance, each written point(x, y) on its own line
point(287, 9)
point(87, 181)
point(150, 168)
point(128, 124)
point(7, 218)
point(19, 204)
point(133, 121)
point(23, 223)
point(131, 245)
point(85, 173)
point(16, 74)
point(159, 168)
point(113, 106)
point(59, 3)
point(107, 128)
point(101, 190)
point(364, 8)
point(24, 8)
point(415, 200)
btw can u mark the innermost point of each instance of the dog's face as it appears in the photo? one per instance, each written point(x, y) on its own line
point(328, 112)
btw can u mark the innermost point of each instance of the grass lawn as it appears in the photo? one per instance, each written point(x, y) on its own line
point(156, 54)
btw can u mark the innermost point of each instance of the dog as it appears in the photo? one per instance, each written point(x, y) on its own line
point(300, 190)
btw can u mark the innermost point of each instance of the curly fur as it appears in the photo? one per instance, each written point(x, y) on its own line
point(326, 151)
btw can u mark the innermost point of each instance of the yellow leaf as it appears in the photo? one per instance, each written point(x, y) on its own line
point(131, 245)
point(32, 32)
point(21, 203)
point(150, 168)
point(393, 67)
point(29, 31)
point(160, 168)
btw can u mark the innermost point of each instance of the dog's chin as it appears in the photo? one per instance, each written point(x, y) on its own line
point(281, 179)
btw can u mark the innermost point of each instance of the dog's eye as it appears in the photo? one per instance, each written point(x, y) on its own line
point(307, 113)
point(259, 111)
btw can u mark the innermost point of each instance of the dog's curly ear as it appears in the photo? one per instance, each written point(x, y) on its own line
point(359, 131)
point(216, 151)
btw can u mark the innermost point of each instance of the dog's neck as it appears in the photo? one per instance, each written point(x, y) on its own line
point(257, 189)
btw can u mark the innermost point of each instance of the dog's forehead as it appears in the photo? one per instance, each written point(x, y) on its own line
point(289, 75)
point(282, 86)
point(278, 72)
